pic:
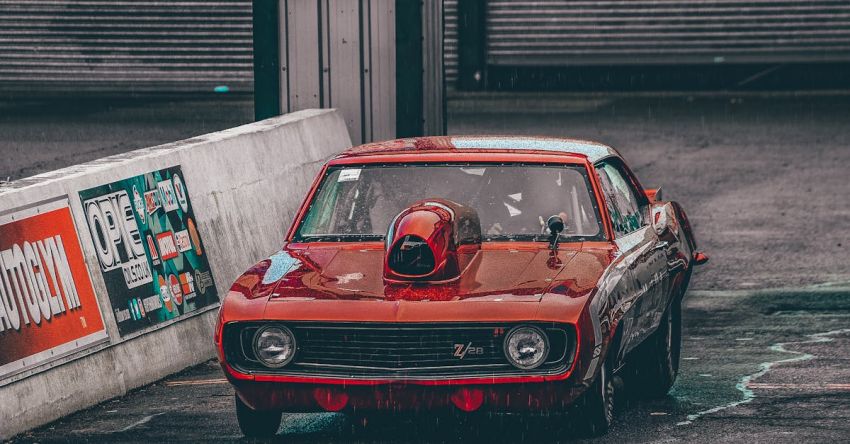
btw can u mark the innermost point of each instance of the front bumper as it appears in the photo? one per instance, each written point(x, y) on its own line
point(409, 397)
point(547, 389)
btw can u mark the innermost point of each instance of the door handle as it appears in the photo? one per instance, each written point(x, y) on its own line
point(661, 245)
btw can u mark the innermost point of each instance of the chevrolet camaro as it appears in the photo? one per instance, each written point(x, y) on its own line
point(467, 274)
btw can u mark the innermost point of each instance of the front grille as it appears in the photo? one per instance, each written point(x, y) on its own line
point(399, 351)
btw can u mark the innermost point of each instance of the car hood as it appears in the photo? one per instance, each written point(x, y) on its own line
point(521, 273)
point(344, 283)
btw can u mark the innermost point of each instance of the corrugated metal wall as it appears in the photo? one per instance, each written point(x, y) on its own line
point(125, 46)
point(340, 54)
point(618, 32)
point(433, 63)
point(187, 46)
point(450, 41)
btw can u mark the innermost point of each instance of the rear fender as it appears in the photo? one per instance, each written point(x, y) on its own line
point(616, 354)
point(685, 225)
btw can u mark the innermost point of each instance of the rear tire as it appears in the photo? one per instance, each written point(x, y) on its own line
point(593, 413)
point(257, 423)
point(656, 362)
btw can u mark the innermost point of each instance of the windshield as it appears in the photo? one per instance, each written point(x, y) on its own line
point(513, 201)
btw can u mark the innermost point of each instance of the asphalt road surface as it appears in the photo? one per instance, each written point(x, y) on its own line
point(41, 136)
point(766, 324)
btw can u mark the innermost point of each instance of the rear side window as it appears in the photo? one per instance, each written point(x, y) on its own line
point(621, 199)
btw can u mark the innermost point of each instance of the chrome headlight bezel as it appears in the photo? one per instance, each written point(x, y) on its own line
point(284, 333)
point(526, 329)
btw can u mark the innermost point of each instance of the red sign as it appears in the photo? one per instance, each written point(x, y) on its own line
point(176, 291)
point(47, 304)
point(167, 247)
point(154, 255)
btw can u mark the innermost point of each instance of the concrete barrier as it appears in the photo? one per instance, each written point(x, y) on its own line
point(244, 184)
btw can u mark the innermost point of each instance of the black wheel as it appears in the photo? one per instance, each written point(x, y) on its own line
point(593, 413)
point(256, 423)
point(656, 362)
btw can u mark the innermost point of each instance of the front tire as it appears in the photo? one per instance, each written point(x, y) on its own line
point(256, 423)
point(657, 360)
point(593, 414)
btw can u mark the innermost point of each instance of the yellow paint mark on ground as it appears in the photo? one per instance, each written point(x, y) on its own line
point(196, 382)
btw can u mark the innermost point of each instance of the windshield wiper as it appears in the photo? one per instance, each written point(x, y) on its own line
point(527, 237)
point(339, 238)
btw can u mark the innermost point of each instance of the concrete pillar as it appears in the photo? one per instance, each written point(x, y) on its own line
point(380, 62)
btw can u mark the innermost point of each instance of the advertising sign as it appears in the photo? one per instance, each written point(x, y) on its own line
point(149, 249)
point(47, 305)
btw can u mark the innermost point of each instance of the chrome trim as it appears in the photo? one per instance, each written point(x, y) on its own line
point(335, 376)
point(513, 331)
point(285, 331)
point(399, 369)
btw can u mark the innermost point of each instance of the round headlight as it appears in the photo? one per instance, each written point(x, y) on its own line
point(274, 346)
point(526, 347)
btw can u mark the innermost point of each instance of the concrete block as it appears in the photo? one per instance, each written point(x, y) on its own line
point(245, 185)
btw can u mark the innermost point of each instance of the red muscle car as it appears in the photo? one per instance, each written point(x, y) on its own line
point(493, 274)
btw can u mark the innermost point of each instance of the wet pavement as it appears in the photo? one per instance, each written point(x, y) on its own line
point(766, 324)
point(762, 366)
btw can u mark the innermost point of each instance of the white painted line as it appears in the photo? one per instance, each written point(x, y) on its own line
point(144, 420)
point(744, 384)
point(804, 386)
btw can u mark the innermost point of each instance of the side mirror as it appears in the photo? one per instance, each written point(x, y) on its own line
point(654, 194)
point(664, 218)
point(556, 226)
point(661, 219)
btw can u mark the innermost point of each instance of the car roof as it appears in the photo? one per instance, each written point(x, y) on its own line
point(593, 151)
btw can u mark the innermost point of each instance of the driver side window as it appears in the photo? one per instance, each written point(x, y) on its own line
point(621, 200)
